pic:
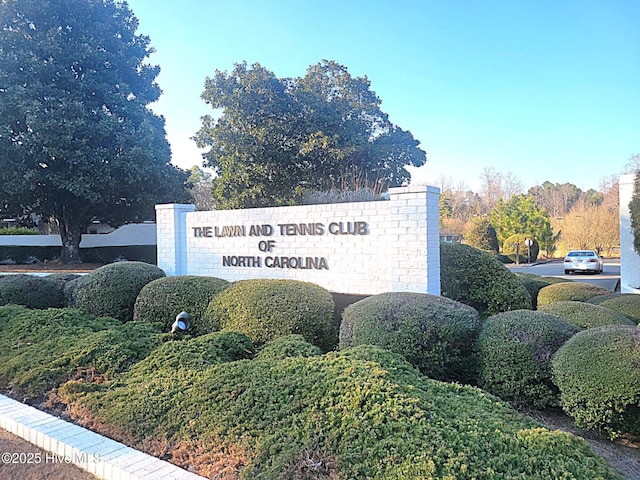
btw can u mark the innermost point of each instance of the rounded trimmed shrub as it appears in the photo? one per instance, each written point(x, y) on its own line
point(514, 352)
point(473, 277)
point(627, 304)
point(162, 299)
point(585, 315)
point(435, 334)
point(267, 309)
point(569, 291)
point(112, 290)
point(31, 291)
point(598, 374)
point(509, 249)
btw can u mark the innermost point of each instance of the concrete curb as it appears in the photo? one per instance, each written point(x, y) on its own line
point(69, 443)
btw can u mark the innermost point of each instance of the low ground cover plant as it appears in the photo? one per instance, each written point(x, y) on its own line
point(628, 304)
point(514, 352)
point(569, 291)
point(31, 291)
point(473, 277)
point(266, 403)
point(359, 413)
point(112, 290)
point(39, 349)
point(435, 334)
point(162, 299)
point(598, 373)
point(585, 315)
point(267, 309)
point(287, 346)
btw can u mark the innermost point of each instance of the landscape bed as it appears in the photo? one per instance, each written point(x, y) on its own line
point(232, 407)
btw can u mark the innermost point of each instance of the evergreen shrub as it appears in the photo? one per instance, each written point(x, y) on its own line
point(198, 353)
point(509, 249)
point(585, 315)
point(268, 309)
point(40, 349)
point(569, 291)
point(287, 346)
point(31, 291)
point(533, 284)
point(482, 235)
point(598, 373)
point(162, 299)
point(627, 304)
point(63, 277)
point(112, 290)
point(514, 356)
point(435, 334)
point(473, 277)
point(19, 231)
point(357, 413)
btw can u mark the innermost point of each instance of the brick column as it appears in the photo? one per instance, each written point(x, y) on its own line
point(415, 241)
point(629, 258)
point(172, 237)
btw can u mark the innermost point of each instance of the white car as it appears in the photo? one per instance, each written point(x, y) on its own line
point(583, 261)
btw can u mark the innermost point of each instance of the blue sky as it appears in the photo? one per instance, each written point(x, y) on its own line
point(547, 90)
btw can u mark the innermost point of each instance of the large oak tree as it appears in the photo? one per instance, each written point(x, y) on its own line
point(277, 137)
point(77, 138)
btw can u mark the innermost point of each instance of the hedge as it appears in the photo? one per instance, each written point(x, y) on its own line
point(40, 349)
point(598, 374)
point(533, 284)
point(268, 309)
point(585, 315)
point(162, 299)
point(358, 413)
point(473, 277)
point(514, 356)
point(19, 231)
point(627, 304)
point(435, 334)
point(112, 289)
point(31, 291)
point(569, 291)
point(140, 253)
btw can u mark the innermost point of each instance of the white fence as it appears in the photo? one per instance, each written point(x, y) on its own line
point(127, 235)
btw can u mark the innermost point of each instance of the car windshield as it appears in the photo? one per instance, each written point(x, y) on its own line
point(581, 254)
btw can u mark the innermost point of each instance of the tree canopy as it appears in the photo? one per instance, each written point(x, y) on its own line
point(77, 139)
point(482, 235)
point(521, 214)
point(277, 137)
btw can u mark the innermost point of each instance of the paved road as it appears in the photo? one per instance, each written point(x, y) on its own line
point(609, 278)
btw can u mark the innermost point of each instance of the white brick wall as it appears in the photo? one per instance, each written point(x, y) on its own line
point(399, 251)
point(629, 258)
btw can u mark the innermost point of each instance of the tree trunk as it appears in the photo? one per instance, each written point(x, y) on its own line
point(71, 233)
